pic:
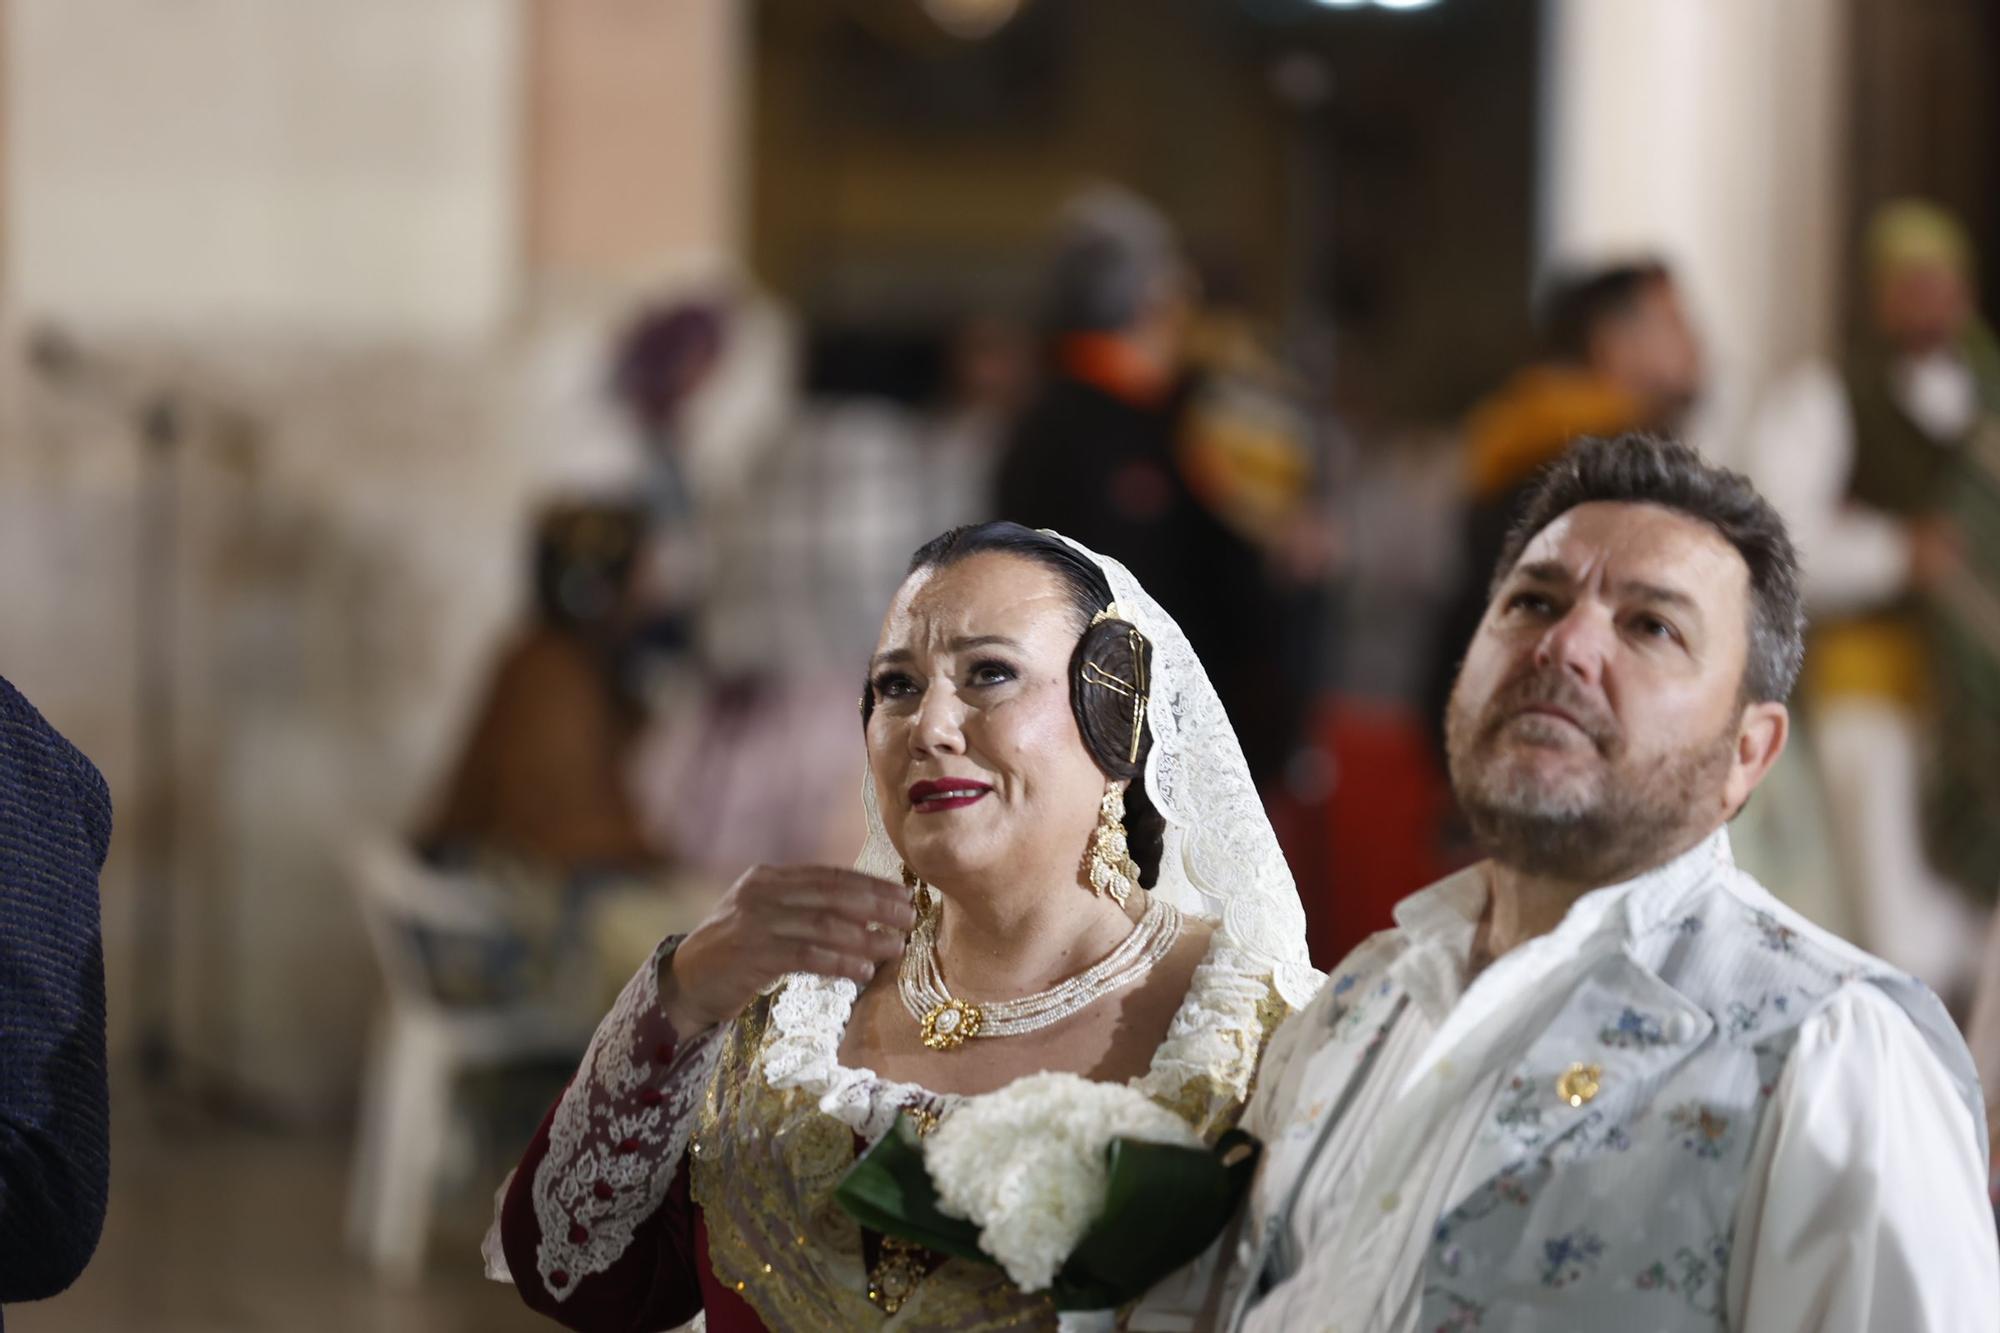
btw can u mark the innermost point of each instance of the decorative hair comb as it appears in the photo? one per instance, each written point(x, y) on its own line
point(1136, 690)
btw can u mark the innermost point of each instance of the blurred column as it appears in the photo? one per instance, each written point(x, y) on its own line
point(1708, 131)
point(636, 137)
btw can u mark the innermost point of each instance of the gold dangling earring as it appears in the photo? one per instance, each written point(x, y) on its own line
point(1111, 867)
point(920, 902)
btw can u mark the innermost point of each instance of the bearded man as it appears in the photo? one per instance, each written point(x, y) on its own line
point(1603, 1079)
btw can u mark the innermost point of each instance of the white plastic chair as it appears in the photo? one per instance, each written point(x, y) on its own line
point(420, 1046)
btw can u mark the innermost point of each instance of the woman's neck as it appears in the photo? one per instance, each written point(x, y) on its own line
point(1005, 942)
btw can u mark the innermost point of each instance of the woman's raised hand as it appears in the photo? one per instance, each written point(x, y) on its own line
point(780, 919)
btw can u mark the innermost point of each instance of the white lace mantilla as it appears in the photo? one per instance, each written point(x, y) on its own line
point(1221, 857)
point(1215, 1034)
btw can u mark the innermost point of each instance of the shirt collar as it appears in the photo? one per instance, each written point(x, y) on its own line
point(1653, 897)
point(1445, 916)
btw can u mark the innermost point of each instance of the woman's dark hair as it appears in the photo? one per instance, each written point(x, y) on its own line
point(1108, 648)
point(1643, 469)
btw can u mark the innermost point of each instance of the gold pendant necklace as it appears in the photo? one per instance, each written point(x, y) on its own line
point(946, 1022)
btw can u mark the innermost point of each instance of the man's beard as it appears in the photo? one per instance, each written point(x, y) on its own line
point(1589, 832)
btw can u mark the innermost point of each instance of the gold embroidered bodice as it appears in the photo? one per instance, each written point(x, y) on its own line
point(764, 1163)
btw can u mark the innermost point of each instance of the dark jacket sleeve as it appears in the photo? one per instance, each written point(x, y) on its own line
point(55, 1152)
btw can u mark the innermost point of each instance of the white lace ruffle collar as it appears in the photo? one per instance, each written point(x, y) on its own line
point(1217, 1033)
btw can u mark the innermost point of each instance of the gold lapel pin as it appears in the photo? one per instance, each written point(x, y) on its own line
point(1579, 1083)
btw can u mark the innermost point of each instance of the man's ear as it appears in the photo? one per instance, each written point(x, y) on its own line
point(1760, 738)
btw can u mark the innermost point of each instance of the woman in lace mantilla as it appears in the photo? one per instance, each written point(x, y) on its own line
point(1067, 868)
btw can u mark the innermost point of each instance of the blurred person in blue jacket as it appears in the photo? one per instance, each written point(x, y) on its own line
point(55, 1121)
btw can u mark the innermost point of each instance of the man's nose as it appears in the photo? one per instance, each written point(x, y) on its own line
point(1579, 644)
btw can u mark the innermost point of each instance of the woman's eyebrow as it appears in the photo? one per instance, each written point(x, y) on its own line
point(896, 656)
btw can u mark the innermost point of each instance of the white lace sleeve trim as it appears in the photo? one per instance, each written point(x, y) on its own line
point(618, 1134)
point(1219, 1029)
point(1216, 1033)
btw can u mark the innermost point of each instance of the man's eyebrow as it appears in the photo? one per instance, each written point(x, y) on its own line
point(1555, 572)
point(1658, 592)
point(1545, 571)
point(963, 643)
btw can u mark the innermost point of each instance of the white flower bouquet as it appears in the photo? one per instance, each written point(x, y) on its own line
point(1089, 1191)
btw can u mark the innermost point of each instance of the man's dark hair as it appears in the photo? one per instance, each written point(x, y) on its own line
point(1574, 305)
point(1643, 469)
point(1113, 647)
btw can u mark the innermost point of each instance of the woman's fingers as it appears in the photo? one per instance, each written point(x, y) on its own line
point(860, 898)
point(834, 931)
point(833, 963)
point(779, 919)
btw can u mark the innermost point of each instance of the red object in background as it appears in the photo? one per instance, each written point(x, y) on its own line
point(1375, 836)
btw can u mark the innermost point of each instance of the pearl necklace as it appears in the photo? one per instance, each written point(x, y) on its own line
point(947, 1022)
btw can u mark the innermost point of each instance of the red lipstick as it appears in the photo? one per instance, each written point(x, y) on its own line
point(934, 795)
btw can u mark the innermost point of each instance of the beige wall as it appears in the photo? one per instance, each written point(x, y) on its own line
point(214, 164)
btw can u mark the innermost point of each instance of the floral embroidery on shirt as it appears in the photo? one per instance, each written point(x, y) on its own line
point(1343, 1016)
point(1696, 1276)
point(1512, 1186)
point(1632, 1029)
point(1704, 1133)
point(1307, 1124)
point(1744, 1018)
point(1777, 938)
point(1585, 1140)
point(1464, 1314)
point(1566, 1258)
point(1689, 925)
point(1520, 1110)
point(1747, 1018)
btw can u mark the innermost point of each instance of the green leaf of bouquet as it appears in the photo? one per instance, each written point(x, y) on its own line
point(888, 1190)
point(1164, 1205)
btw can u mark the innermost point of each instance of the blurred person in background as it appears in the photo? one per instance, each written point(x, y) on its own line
point(1254, 460)
point(1143, 451)
point(55, 1116)
point(538, 803)
point(1619, 353)
point(1093, 455)
point(1889, 470)
point(751, 758)
point(660, 363)
point(989, 373)
point(1378, 833)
